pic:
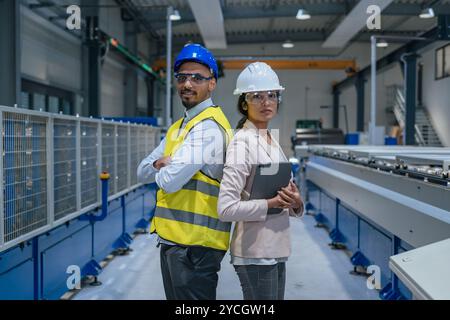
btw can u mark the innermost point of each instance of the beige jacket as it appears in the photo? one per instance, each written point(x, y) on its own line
point(256, 234)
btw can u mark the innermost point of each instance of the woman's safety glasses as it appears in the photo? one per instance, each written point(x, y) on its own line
point(260, 97)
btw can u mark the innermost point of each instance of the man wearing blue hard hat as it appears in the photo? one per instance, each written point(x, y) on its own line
point(188, 167)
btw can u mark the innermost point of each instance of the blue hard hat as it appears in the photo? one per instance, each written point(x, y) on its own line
point(199, 54)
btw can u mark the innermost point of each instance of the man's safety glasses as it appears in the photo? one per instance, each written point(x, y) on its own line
point(195, 78)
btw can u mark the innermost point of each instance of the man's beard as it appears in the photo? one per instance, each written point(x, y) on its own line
point(188, 104)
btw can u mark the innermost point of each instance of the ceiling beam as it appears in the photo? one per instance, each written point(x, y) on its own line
point(352, 24)
point(209, 18)
point(280, 64)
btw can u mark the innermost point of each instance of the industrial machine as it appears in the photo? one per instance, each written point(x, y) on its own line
point(310, 132)
point(378, 201)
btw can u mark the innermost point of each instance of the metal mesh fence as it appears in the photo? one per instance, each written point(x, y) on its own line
point(64, 146)
point(141, 140)
point(25, 174)
point(89, 163)
point(134, 157)
point(50, 167)
point(122, 157)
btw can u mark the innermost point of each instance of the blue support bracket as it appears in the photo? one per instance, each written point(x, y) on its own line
point(358, 259)
point(390, 293)
point(123, 243)
point(143, 224)
point(336, 236)
point(309, 208)
point(92, 268)
point(320, 219)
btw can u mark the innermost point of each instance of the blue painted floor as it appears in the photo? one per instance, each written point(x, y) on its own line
point(314, 271)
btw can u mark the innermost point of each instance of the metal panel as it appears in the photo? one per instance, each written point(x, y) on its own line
point(142, 143)
point(65, 188)
point(151, 141)
point(134, 154)
point(25, 173)
point(108, 164)
point(426, 280)
point(78, 165)
point(99, 159)
point(113, 182)
point(2, 208)
point(122, 158)
point(129, 156)
point(89, 163)
point(50, 172)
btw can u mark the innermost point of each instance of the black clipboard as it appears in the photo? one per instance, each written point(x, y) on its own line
point(269, 179)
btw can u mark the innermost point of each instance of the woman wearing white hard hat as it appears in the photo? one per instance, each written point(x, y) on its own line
point(260, 244)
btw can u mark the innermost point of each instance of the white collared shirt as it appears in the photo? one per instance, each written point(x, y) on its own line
point(203, 149)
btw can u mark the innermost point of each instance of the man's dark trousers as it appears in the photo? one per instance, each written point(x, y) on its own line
point(190, 273)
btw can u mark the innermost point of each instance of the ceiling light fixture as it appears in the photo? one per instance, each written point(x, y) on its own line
point(302, 14)
point(382, 43)
point(287, 44)
point(175, 16)
point(427, 13)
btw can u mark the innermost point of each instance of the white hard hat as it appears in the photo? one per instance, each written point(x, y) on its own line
point(257, 76)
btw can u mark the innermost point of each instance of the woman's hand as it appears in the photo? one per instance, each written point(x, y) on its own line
point(277, 202)
point(290, 196)
point(287, 198)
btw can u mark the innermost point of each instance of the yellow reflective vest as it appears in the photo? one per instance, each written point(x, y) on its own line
point(189, 216)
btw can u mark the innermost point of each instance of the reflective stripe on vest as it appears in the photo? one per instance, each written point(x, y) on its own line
point(189, 216)
point(203, 187)
point(192, 218)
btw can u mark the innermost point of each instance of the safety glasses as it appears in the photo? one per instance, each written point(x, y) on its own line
point(195, 78)
point(260, 97)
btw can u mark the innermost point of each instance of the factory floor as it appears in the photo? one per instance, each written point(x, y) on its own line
point(314, 271)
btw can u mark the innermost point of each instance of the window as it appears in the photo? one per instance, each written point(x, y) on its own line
point(442, 62)
point(447, 61)
point(37, 96)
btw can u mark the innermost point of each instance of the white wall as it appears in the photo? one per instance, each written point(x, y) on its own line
point(143, 46)
point(52, 56)
point(386, 78)
point(112, 79)
point(436, 96)
point(49, 54)
point(110, 20)
point(142, 95)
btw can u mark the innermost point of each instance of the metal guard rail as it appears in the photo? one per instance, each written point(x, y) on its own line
point(51, 166)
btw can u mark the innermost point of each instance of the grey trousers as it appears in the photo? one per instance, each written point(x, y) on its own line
point(190, 273)
point(262, 282)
